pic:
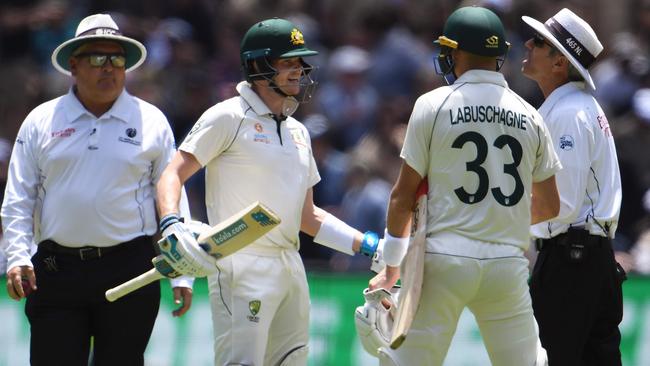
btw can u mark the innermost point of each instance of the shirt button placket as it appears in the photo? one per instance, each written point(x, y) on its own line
point(93, 138)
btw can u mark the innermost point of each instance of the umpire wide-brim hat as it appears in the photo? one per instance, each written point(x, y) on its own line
point(573, 37)
point(93, 28)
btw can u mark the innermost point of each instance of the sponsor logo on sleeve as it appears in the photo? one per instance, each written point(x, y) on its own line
point(604, 125)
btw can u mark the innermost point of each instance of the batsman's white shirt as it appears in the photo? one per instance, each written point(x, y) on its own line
point(482, 146)
point(249, 157)
point(260, 297)
point(81, 180)
point(590, 183)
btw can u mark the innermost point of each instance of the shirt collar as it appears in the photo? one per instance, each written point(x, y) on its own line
point(482, 76)
point(559, 93)
point(74, 109)
point(249, 95)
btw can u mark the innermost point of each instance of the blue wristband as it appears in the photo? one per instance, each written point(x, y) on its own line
point(168, 220)
point(369, 243)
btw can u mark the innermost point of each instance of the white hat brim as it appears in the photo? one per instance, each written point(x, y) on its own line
point(61, 64)
point(544, 32)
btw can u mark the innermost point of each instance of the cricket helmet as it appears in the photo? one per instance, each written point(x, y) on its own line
point(475, 30)
point(472, 29)
point(271, 39)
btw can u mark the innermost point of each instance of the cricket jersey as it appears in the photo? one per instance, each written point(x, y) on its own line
point(481, 146)
point(590, 182)
point(249, 156)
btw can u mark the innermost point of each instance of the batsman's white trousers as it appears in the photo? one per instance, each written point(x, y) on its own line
point(489, 279)
point(260, 308)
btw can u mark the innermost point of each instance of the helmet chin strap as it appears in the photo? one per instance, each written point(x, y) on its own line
point(277, 89)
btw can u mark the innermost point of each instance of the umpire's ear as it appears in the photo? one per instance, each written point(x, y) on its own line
point(72, 61)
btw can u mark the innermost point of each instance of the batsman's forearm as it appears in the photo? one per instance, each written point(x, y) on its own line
point(168, 193)
point(399, 216)
point(168, 189)
point(330, 231)
point(545, 201)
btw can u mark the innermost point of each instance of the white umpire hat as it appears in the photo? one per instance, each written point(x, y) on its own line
point(573, 37)
point(98, 27)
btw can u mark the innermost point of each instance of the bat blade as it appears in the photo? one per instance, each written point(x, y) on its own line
point(223, 239)
point(412, 270)
point(238, 231)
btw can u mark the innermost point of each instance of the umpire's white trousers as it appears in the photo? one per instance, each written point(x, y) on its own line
point(489, 279)
point(260, 308)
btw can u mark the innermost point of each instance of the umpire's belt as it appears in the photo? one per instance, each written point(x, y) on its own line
point(572, 236)
point(89, 252)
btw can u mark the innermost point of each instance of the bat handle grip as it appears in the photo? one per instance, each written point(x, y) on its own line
point(133, 284)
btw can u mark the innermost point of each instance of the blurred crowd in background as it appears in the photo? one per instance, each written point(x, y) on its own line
point(375, 60)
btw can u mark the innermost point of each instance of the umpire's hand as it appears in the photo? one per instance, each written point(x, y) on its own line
point(21, 281)
point(182, 298)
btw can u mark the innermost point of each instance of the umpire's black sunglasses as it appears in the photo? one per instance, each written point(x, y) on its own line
point(540, 41)
point(99, 59)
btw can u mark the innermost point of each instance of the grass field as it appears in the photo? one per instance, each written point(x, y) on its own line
point(188, 341)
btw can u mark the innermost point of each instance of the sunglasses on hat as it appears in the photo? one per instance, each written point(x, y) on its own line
point(99, 59)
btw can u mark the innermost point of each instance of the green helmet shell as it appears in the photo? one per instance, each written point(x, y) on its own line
point(475, 30)
point(272, 38)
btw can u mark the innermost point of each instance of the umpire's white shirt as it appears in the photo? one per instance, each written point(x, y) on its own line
point(481, 146)
point(590, 183)
point(81, 180)
point(249, 157)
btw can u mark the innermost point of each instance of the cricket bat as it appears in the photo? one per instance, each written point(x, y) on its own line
point(221, 240)
point(412, 269)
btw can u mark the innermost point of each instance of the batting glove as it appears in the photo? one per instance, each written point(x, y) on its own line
point(374, 321)
point(181, 250)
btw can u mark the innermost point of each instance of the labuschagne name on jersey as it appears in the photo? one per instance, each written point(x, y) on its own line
point(488, 114)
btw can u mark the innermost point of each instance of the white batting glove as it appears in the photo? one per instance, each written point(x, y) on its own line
point(374, 320)
point(181, 250)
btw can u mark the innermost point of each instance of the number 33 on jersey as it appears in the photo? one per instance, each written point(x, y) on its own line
point(481, 157)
